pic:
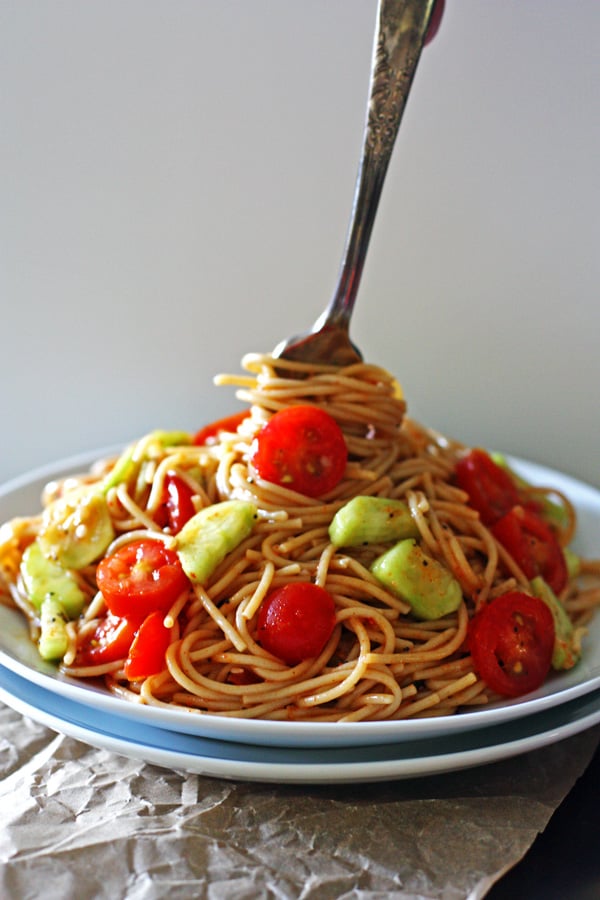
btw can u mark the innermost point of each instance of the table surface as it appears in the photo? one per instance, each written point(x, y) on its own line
point(564, 861)
point(202, 832)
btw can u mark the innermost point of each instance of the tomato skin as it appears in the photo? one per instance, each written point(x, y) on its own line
point(302, 448)
point(491, 490)
point(140, 577)
point(296, 621)
point(109, 642)
point(147, 652)
point(533, 546)
point(511, 642)
point(209, 433)
point(177, 506)
point(434, 22)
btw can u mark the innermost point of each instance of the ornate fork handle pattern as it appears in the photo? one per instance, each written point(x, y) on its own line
point(399, 37)
point(401, 29)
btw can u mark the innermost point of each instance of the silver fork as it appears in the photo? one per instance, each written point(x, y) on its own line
point(399, 37)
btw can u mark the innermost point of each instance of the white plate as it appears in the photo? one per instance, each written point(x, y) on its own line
point(22, 497)
point(295, 765)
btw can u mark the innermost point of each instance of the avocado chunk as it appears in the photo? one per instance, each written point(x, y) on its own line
point(429, 588)
point(53, 640)
point(55, 593)
point(76, 528)
point(46, 579)
point(371, 520)
point(127, 464)
point(573, 562)
point(567, 651)
point(122, 470)
point(207, 538)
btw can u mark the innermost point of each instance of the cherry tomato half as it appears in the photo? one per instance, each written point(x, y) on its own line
point(491, 490)
point(533, 546)
point(209, 433)
point(176, 507)
point(435, 21)
point(140, 577)
point(511, 642)
point(110, 641)
point(301, 448)
point(147, 653)
point(296, 621)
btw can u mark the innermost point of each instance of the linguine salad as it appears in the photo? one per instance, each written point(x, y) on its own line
point(316, 556)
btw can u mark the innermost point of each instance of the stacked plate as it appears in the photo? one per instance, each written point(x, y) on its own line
point(298, 752)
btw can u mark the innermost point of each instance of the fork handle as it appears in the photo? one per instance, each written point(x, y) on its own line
point(399, 37)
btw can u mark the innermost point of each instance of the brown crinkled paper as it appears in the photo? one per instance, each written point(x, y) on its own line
point(80, 822)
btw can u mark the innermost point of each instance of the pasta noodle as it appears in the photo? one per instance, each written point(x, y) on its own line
point(380, 662)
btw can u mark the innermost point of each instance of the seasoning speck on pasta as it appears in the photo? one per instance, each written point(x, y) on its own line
point(316, 556)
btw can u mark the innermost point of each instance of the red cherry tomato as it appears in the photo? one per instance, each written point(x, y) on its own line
point(177, 506)
point(533, 546)
point(511, 642)
point(435, 21)
point(147, 653)
point(110, 641)
point(242, 676)
point(491, 490)
point(140, 577)
point(209, 433)
point(296, 621)
point(301, 448)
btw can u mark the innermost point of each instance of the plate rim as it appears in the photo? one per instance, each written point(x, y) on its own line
point(360, 770)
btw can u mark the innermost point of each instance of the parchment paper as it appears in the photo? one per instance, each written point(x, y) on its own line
point(77, 822)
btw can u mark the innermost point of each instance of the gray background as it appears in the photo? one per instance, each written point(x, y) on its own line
point(175, 186)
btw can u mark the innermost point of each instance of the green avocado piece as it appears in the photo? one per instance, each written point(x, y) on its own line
point(567, 651)
point(429, 588)
point(371, 520)
point(76, 528)
point(172, 438)
point(53, 640)
point(207, 538)
point(573, 562)
point(46, 579)
point(127, 463)
point(121, 471)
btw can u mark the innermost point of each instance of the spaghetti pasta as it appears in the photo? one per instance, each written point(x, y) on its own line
point(380, 661)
